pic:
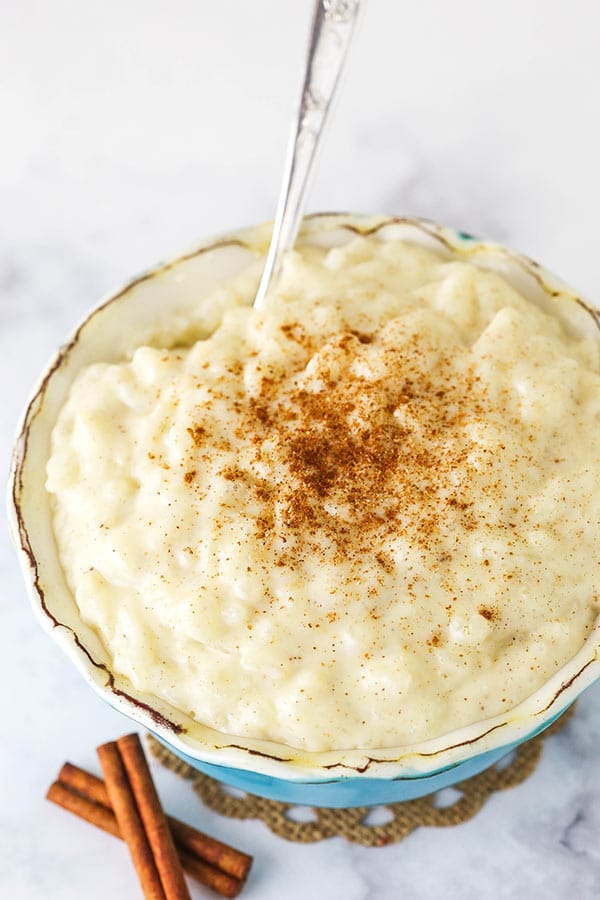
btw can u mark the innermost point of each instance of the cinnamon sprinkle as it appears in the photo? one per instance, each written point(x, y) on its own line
point(362, 453)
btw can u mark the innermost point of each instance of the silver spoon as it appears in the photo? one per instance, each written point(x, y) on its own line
point(332, 27)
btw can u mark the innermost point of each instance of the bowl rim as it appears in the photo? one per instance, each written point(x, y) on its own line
point(413, 761)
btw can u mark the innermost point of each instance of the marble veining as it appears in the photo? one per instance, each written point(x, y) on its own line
point(129, 131)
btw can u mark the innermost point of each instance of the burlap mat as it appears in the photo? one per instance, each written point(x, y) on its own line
point(465, 801)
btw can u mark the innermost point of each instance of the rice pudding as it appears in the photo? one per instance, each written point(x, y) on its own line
point(362, 516)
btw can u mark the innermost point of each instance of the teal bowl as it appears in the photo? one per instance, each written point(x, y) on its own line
point(345, 792)
point(162, 302)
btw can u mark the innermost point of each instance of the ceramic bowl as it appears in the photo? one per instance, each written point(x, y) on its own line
point(162, 302)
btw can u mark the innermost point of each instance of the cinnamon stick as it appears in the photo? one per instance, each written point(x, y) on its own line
point(95, 813)
point(153, 818)
point(85, 783)
point(131, 826)
point(102, 816)
point(222, 856)
point(214, 878)
point(209, 849)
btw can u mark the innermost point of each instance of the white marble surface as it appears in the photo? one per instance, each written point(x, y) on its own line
point(129, 130)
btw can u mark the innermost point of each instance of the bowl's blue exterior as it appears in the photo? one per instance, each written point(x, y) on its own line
point(353, 791)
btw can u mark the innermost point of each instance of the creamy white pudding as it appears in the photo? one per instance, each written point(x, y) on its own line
point(363, 516)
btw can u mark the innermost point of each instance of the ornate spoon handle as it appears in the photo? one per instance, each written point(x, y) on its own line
point(332, 27)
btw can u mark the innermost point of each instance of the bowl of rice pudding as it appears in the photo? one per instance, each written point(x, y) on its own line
point(339, 550)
